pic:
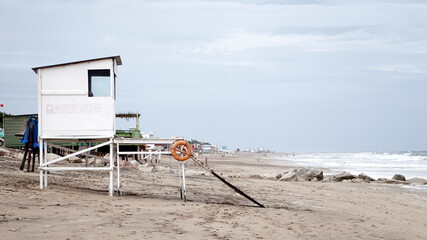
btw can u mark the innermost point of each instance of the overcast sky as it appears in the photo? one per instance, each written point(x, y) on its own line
point(288, 75)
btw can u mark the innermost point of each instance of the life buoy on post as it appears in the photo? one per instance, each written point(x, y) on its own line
point(181, 150)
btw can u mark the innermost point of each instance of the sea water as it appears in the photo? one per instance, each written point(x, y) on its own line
point(373, 164)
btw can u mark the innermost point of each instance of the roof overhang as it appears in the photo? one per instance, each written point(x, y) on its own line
point(117, 58)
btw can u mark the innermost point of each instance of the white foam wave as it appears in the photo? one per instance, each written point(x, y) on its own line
point(411, 164)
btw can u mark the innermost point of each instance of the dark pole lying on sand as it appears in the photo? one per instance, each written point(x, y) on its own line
point(227, 183)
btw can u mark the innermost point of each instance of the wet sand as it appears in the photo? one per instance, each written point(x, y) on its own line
point(76, 205)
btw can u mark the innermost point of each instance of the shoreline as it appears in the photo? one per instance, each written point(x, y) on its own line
point(376, 165)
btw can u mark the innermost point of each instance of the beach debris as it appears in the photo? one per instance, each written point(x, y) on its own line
point(399, 177)
point(365, 177)
point(343, 176)
point(289, 177)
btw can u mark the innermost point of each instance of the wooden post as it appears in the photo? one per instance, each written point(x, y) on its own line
point(36, 152)
point(29, 159)
point(25, 157)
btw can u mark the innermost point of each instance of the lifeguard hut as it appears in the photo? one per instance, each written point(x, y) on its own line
point(76, 101)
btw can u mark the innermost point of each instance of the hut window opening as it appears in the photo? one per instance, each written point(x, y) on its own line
point(99, 83)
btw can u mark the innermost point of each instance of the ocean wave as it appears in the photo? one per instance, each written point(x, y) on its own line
point(380, 164)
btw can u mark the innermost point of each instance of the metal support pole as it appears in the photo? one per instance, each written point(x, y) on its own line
point(181, 171)
point(45, 157)
point(41, 162)
point(119, 184)
point(111, 187)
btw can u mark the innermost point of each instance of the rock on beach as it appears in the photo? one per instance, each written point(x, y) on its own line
point(343, 176)
point(399, 177)
point(288, 177)
point(301, 174)
point(365, 177)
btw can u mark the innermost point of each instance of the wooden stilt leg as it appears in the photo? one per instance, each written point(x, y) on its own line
point(29, 160)
point(24, 158)
point(35, 152)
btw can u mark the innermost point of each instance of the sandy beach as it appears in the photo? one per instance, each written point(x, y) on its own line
point(76, 205)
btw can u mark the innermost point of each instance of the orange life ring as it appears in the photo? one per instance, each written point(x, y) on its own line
point(181, 150)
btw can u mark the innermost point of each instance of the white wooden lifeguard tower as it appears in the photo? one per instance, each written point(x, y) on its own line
point(76, 101)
